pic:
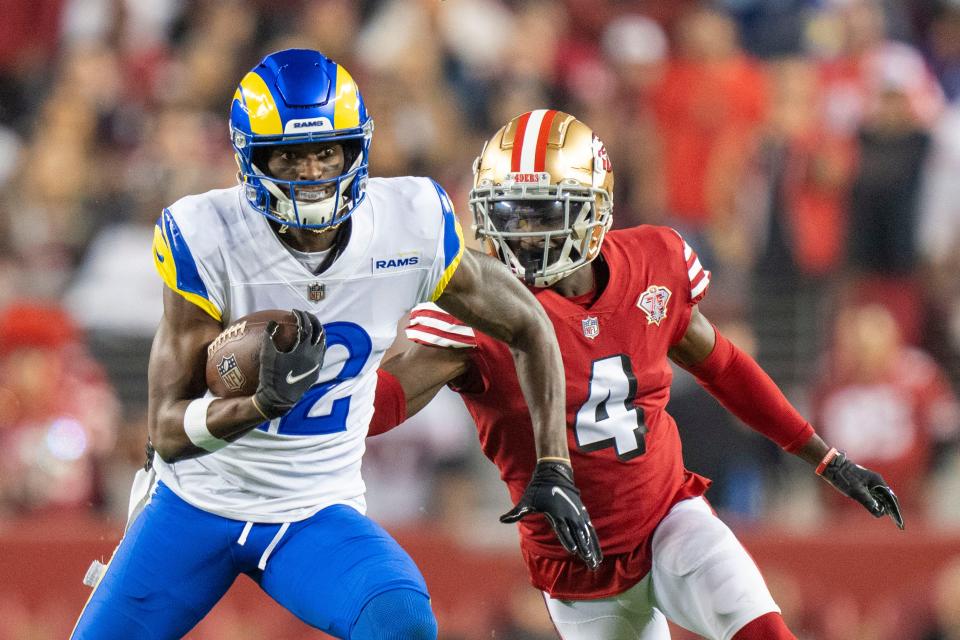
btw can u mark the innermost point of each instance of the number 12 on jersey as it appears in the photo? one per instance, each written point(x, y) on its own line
point(302, 419)
point(609, 417)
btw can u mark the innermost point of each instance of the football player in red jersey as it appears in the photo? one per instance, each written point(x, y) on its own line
point(621, 303)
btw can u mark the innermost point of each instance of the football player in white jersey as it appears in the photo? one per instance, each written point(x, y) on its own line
point(269, 485)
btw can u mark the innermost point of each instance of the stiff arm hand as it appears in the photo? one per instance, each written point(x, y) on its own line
point(551, 492)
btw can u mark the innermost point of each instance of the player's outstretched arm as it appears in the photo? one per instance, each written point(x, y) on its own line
point(180, 423)
point(740, 385)
point(408, 381)
point(486, 296)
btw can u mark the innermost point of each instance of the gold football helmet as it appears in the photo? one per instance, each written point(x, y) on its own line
point(542, 196)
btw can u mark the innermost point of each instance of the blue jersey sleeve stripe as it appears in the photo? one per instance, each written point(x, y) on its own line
point(188, 277)
point(452, 240)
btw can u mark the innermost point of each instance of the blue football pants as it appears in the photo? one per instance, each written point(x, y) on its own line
point(177, 561)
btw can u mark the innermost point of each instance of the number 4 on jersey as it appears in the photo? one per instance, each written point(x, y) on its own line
point(609, 417)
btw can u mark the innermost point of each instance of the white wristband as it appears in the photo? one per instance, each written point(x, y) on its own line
point(195, 424)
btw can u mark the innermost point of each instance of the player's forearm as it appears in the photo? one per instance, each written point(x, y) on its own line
point(515, 317)
point(415, 379)
point(226, 419)
point(814, 451)
point(408, 381)
point(389, 403)
point(540, 371)
point(740, 385)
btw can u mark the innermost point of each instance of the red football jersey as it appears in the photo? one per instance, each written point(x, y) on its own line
point(624, 447)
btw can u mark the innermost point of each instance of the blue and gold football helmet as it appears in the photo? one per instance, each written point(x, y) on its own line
point(300, 96)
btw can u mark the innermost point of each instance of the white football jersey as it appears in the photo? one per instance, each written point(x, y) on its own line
point(218, 252)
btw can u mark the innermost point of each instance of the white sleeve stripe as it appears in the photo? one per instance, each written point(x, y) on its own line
point(694, 269)
point(436, 323)
point(427, 306)
point(701, 286)
point(686, 251)
point(439, 341)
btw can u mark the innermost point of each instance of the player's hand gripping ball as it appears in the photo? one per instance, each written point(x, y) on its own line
point(286, 375)
point(233, 358)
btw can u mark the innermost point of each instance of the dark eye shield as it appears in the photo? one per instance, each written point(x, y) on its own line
point(510, 216)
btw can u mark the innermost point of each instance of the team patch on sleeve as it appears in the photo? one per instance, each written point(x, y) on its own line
point(434, 327)
point(452, 247)
point(699, 277)
point(176, 265)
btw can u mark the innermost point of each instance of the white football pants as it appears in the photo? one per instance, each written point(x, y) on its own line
point(702, 579)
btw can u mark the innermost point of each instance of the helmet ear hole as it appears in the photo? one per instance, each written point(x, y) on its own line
point(351, 151)
point(260, 157)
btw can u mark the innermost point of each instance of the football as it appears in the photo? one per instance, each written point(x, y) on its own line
point(233, 358)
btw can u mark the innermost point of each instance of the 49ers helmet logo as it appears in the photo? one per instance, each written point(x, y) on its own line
point(653, 302)
point(600, 154)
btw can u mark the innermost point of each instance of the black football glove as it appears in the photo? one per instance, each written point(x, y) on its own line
point(863, 485)
point(286, 375)
point(551, 492)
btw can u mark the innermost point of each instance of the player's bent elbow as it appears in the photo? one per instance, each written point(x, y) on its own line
point(533, 330)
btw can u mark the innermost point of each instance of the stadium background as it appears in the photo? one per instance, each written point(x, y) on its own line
point(809, 150)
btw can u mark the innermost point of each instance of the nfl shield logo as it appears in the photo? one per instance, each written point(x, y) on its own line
point(653, 302)
point(316, 291)
point(230, 373)
point(591, 327)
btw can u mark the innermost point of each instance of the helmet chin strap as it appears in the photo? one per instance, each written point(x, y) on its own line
point(530, 276)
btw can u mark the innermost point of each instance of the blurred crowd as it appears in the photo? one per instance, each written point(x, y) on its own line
point(808, 149)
